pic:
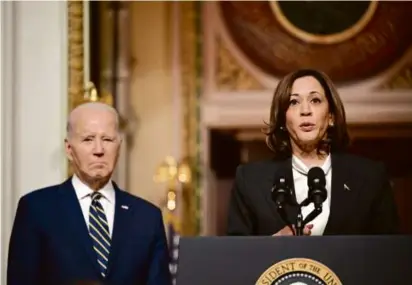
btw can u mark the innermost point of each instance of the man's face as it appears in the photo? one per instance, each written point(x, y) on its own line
point(93, 144)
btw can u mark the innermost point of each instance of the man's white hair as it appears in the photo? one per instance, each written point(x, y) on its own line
point(89, 106)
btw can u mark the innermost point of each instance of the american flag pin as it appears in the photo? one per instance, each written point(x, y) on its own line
point(125, 207)
point(346, 187)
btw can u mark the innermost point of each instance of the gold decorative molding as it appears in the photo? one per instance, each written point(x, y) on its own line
point(76, 53)
point(190, 194)
point(79, 90)
point(75, 57)
point(230, 76)
point(401, 80)
point(175, 175)
point(323, 39)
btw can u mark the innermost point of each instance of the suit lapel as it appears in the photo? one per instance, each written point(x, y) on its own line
point(122, 215)
point(344, 192)
point(74, 218)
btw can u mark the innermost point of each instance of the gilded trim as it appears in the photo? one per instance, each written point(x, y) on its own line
point(324, 39)
point(191, 62)
point(401, 80)
point(76, 53)
point(75, 57)
point(230, 75)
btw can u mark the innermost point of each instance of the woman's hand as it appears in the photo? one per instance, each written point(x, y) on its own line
point(288, 231)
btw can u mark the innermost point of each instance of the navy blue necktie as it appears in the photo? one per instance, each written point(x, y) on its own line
point(99, 232)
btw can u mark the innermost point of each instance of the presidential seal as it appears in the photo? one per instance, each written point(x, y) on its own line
point(298, 271)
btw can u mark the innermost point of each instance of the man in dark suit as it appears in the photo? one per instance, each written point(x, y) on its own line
point(87, 228)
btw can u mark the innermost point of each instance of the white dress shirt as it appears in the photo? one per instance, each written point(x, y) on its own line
point(300, 171)
point(83, 193)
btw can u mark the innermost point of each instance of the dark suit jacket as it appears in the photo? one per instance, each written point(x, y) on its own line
point(367, 208)
point(50, 243)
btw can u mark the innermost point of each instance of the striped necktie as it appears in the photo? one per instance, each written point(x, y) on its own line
point(99, 232)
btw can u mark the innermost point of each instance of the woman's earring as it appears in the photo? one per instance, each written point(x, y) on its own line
point(331, 124)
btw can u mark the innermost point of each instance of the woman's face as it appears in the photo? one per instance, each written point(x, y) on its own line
point(308, 116)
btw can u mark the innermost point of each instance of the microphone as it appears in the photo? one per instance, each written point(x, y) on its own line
point(281, 195)
point(316, 194)
point(317, 187)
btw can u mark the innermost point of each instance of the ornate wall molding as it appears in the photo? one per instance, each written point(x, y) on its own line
point(401, 80)
point(358, 53)
point(225, 64)
point(76, 66)
point(230, 75)
point(191, 72)
point(329, 38)
point(381, 98)
point(76, 53)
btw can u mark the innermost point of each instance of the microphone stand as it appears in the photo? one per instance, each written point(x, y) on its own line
point(281, 210)
point(300, 223)
point(312, 215)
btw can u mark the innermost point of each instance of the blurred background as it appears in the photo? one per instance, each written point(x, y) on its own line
point(193, 83)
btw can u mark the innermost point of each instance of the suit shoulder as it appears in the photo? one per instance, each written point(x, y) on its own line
point(257, 166)
point(40, 193)
point(362, 162)
point(360, 166)
point(145, 205)
point(261, 169)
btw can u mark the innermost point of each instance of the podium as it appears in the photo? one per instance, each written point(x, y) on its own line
point(296, 260)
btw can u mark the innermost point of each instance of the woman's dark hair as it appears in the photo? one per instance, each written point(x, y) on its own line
point(277, 137)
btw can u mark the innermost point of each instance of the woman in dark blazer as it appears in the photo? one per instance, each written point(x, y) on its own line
point(308, 129)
